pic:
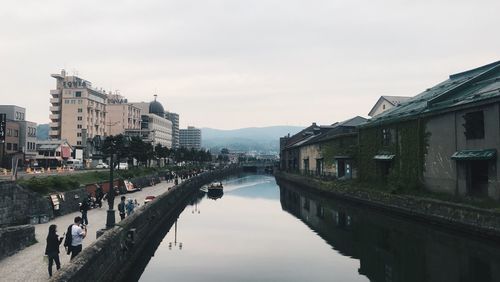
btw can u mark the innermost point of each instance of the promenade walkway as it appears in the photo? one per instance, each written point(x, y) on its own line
point(28, 264)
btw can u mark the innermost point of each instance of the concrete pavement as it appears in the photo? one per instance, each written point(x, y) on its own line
point(28, 264)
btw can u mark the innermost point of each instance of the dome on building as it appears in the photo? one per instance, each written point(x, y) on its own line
point(156, 108)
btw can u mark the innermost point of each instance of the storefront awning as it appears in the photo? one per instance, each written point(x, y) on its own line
point(384, 157)
point(474, 155)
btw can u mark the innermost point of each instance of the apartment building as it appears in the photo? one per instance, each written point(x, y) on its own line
point(77, 109)
point(26, 131)
point(190, 138)
point(121, 115)
point(174, 118)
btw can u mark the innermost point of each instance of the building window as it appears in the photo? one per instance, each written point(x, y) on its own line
point(73, 101)
point(16, 133)
point(9, 146)
point(79, 126)
point(78, 93)
point(79, 118)
point(80, 101)
point(78, 142)
point(66, 101)
point(78, 134)
point(58, 154)
point(474, 125)
point(14, 147)
point(386, 137)
point(9, 132)
point(80, 110)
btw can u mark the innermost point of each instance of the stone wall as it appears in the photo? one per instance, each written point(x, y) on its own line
point(13, 239)
point(108, 258)
point(71, 202)
point(20, 206)
point(463, 218)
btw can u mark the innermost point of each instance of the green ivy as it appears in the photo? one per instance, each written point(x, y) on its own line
point(409, 145)
point(340, 146)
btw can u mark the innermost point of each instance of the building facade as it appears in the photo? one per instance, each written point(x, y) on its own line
point(445, 139)
point(27, 131)
point(76, 109)
point(174, 118)
point(190, 138)
point(385, 103)
point(121, 115)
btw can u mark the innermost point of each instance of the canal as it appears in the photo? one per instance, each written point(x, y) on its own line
point(259, 231)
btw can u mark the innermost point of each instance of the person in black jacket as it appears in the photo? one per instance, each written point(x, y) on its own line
point(52, 249)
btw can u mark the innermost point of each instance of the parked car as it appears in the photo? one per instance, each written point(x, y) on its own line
point(102, 165)
point(74, 164)
point(121, 166)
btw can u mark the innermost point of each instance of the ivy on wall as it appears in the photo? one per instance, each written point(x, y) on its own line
point(408, 143)
point(340, 146)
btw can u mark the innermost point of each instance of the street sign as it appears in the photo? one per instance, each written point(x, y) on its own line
point(3, 119)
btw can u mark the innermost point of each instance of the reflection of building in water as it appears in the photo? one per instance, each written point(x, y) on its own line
point(391, 249)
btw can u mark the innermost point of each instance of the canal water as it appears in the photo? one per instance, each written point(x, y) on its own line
point(260, 231)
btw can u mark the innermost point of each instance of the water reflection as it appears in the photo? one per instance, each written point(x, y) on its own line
point(390, 248)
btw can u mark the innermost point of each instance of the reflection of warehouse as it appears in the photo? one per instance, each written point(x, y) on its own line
point(391, 249)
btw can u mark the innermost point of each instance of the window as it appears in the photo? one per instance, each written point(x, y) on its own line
point(79, 118)
point(386, 137)
point(79, 126)
point(9, 132)
point(14, 147)
point(58, 154)
point(80, 101)
point(474, 125)
point(78, 134)
point(78, 93)
point(383, 107)
point(78, 142)
point(16, 133)
point(73, 101)
point(9, 146)
point(66, 101)
point(80, 110)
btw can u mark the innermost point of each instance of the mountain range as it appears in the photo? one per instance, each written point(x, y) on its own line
point(258, 139)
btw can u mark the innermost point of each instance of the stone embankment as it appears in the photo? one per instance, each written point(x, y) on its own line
point(108, 258)
point(463, 218)
point(13, 239)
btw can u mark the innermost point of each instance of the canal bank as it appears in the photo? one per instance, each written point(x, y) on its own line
point(108, 258)
point(458, 217)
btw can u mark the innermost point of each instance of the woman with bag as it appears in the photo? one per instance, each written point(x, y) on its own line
point(52, 249)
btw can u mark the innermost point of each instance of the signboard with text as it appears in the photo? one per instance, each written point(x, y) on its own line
point(3, 121)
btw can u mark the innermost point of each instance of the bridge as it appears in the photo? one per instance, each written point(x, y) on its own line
point(259, 166)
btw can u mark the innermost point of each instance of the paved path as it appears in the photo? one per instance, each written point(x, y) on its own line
point(28, 264)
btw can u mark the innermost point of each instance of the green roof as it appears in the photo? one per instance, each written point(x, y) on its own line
point(460, 89)
point(474, 155)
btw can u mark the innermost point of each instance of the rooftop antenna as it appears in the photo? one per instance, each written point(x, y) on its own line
point(155, 96)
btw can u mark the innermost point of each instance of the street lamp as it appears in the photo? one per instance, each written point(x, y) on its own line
point(110, 220)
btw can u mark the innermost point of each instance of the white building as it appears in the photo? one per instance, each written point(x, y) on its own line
point(190, 138)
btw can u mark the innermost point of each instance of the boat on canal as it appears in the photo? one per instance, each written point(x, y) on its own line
point(215, 191)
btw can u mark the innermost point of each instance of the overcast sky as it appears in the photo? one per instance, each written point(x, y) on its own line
point(232, 64)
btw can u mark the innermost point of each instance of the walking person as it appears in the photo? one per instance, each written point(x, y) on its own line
point(99, 195)
point(78, 232)
point(130, 207)
point(84, 209)
point(52, 249)
point(121, 208)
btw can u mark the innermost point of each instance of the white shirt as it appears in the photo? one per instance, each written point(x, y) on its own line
point(77, 234)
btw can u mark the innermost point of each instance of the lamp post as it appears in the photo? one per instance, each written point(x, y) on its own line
point(175, 239)
point(110, 220)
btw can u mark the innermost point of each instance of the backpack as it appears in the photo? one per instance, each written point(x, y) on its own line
point(68, 239)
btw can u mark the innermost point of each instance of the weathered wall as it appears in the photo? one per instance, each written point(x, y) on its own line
point(108, 258)
point(13, 239)
point(454, 216)
point(72, 200)
point(18, 205)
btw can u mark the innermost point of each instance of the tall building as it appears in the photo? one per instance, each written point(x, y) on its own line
point(24, 133)
point(121, 115)
point(77, 109)
point(190, 138)
point(155, 128)
point(174, 118)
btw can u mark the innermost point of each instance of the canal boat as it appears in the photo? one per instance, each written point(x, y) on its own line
point(215, 191)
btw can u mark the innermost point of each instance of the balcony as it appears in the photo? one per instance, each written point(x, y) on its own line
point(55, 92)
point(54, 116)
point(54, 124)
point(55, 108)
point(53, 132)
point(54, 100)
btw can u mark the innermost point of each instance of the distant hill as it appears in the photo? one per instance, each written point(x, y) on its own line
point(260, 139)
point(42, 132)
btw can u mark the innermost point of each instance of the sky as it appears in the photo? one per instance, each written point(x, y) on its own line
point(235, 63)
